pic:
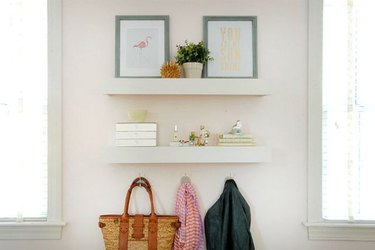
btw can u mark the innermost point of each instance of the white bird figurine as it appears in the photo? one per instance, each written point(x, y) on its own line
point(237, 128)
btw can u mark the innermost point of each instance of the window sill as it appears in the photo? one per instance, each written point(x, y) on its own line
point(340, 231)
point(31, 230)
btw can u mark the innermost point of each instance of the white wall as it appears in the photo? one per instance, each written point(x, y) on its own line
point(275, 191)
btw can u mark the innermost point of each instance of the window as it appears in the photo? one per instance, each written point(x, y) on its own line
point(348, 110)
point(30, 119)
point(341, 118)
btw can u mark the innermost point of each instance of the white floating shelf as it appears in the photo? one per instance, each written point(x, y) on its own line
point(166, 154)
point(185, 86)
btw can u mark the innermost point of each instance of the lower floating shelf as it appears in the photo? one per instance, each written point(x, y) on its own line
point(166, 154)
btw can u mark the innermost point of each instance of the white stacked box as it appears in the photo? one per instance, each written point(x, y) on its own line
point(136, 134)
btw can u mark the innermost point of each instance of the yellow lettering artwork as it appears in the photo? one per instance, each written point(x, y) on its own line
point(230, 51)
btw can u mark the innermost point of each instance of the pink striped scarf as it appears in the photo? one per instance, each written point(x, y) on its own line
point(190, 235)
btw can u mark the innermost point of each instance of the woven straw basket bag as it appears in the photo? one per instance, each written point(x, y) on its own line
point(138, 232)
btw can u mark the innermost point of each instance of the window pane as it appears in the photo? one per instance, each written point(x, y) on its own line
point(23, 108)
point(367, 166)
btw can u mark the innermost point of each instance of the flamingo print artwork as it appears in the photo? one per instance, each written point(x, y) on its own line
point(142, 44)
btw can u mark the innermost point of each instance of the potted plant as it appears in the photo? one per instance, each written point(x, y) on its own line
point(192, 56)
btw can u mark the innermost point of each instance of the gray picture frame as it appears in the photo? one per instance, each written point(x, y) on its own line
point(243, 50)
point(138, 55)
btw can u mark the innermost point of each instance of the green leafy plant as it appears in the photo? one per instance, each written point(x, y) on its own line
point(192, 52)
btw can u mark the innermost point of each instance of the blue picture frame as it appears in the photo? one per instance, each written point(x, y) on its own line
point(232, 42)
point(142, 45)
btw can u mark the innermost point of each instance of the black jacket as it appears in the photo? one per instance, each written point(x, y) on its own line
point(227, 222)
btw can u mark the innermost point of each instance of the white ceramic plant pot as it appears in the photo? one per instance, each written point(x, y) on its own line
point(193, 69)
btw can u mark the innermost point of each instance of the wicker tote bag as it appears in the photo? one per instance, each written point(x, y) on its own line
point(138, 232)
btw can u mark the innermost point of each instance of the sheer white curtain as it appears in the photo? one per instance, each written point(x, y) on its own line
point(23, 109)
point(348, 117)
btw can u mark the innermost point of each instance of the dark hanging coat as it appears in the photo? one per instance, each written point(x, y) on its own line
point(227, 222)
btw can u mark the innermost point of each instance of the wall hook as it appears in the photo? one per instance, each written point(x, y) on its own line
point(185, 179)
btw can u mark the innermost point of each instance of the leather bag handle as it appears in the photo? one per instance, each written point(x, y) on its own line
point(124, 223)
point(143, 182)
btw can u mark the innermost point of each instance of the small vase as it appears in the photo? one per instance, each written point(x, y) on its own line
point(193, 69)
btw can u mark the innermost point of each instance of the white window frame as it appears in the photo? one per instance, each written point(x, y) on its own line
point(52, 228)
point(318, 228)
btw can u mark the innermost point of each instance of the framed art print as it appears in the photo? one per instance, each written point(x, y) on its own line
point(142, 45)
point(232, 42)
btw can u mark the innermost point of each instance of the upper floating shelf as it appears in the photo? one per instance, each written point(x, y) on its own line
point(186, 86)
